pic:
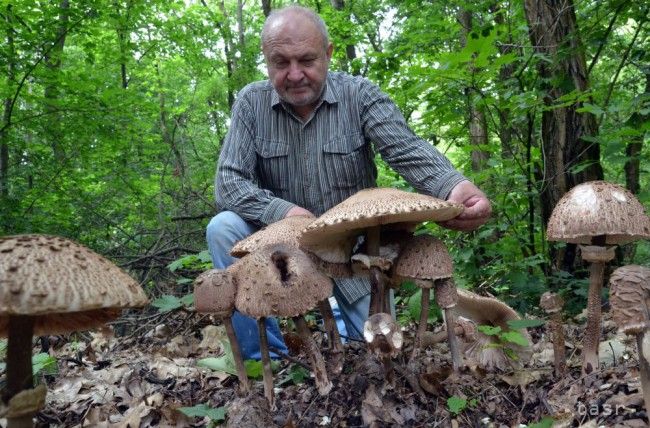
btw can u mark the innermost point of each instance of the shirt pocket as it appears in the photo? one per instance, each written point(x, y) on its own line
point(346, 160)
point(272, 164)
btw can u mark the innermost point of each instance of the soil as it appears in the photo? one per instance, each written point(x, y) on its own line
point(145, 379)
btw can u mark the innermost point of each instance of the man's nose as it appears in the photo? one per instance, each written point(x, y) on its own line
point(295, 72)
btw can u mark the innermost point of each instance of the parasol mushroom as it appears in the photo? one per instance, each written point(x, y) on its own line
point(287, 231)
point(364, 213)
point(280, 280)
point(385, 340)
point(489, 311)
point(630, 301)
point(426, 261)
point(598, 215)
point(52, 285)
point(214, 293)
point(552, 304)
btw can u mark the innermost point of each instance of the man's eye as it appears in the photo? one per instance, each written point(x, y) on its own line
point(280, 63)
point(307, 61)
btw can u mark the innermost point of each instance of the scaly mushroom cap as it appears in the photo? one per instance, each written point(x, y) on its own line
point(214, 292)
point(374, 207)
point(423, 260)
point(285, 231)
point(62, 284)
point(629, 290)
point(551, 302)
point(278, 280)
point(598, 208)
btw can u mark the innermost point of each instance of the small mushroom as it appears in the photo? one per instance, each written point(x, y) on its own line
point(280, 280)
point(630, 301)
point(214, 293)
point(552, 303)
point(492, 312)
point(598, 215)
point(364, 213)
point(384, 339)
point(287, 231)
point(426, 261)
point(51, 285)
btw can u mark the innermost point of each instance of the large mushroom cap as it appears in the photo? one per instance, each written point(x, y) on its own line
point(214, 292)
point(62, 284)
point(379, 206)
point(424, 259)
point(598, 208)
point(278, 280)
point(286, 231)
point(374, 207)
point(629, 289)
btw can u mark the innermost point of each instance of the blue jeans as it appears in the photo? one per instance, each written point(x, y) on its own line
point(223, 231)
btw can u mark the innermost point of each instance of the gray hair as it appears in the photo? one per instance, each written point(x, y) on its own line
point(299, 10)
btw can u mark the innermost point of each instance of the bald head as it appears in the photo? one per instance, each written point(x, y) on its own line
point(293, 15)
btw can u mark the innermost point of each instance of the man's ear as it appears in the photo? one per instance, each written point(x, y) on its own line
point(330, 49)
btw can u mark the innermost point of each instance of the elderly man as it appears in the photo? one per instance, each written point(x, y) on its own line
point(302, 141)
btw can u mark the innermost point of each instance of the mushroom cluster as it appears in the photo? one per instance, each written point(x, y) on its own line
point(51, 285)
point(597, 215)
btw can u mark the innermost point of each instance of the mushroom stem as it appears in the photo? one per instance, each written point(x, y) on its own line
point(337, 353)
point(424, 317)
point(317, 363)
point(376, 284)
point(450, 320)
point(557, 334)
point(598, 255)
point(236, 353)
point(592, 330)
point(267, 373)
point(446, 296)
point(644, 366)
point(19, 365)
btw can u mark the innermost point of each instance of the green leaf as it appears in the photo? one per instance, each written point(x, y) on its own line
point(202, 410)
point(525, 323)
point(296, 375)
point(489, 330)
point(167, 303)
point(188, 299)
point(456, 404)
point(220, 364)
point(45, 363)
point(514, 337)
point(546, 422)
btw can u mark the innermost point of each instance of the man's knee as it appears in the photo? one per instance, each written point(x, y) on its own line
point(227, 227)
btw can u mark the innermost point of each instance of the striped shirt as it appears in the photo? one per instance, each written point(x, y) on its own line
point(271, 160)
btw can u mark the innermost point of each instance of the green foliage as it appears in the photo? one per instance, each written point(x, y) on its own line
point(295, 375)
point(44, 363)
point(168, 302)
point(457, 404)
point(546, 422)
point(226, 363)
point(200, 261)
point(215, 414)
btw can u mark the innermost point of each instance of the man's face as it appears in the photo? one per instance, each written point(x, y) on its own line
point(297, 61)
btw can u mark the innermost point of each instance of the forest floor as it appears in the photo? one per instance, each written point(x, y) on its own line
point(145, 378)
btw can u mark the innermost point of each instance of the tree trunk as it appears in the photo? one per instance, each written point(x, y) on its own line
point(6, 114)
point(350, 50)
point(569, 158)
point(477, 124)
point(266, 7)
point(51, 92)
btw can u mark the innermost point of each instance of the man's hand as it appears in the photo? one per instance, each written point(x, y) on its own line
point(477, 207)
point(298, 211)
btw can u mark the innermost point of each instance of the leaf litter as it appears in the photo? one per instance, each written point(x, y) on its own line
point(155, 378)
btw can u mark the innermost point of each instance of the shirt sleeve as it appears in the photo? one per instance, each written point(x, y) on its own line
point(236, 187)
point(420, 163)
